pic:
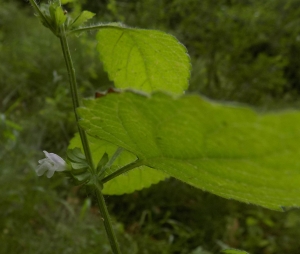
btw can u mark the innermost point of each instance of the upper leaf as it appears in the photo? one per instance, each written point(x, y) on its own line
point(57, 14)
point(230, 151)
point(81, 19)
point(145, 60)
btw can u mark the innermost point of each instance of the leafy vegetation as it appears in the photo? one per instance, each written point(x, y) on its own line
point(169, 217)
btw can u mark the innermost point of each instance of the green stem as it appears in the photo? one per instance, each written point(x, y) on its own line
point(85, 144)
point(112, 160)
point(75, 96)
point(123, 170)
point(107, 223)
point(114, 157)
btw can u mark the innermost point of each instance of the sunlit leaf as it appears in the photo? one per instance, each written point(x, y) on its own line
point(60, 17)
point(57, 14)
point(227, 150)
point(145, 60)
point(82, 18)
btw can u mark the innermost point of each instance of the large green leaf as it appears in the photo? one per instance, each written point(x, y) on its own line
point(227, 150)
point(136, 179)
point(145, 60)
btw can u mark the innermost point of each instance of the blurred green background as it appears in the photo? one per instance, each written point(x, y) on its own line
point(242, 51)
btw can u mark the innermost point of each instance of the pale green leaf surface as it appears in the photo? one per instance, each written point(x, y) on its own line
point(145, 60)
point(57, 14)
point(136, 179)
point(227, 150)
point(60, 17)
point(82, 18)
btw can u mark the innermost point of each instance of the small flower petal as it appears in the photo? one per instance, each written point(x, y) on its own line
point(50, 164)
point(50, 173)
point(41, 169)
point(55, 158)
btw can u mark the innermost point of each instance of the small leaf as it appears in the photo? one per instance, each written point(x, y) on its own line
point(77, 152)
point(75, 155)
point(234, 251)
point(79, 165)
point(60, 16)
point(52, 16)
point(82, 178)
point(146, 60)
point(81, 19)
point(227, 150)
point(102, 162)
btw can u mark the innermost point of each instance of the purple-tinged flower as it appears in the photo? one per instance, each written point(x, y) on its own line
point(51, 163)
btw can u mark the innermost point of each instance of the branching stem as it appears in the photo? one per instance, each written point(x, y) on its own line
point(112, 160)
point(123, 170)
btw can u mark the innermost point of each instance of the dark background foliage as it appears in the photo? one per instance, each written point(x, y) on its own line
point(242, 51)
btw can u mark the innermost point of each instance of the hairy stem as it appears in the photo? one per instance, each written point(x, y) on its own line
point(107, 223)
point(75, 96)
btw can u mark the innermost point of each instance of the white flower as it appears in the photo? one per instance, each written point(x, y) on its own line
point(51, 163)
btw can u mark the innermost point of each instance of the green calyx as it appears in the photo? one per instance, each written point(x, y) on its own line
point(53, 16)
point(81, 172)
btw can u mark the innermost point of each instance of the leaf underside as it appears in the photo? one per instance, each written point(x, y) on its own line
point(230, 151)
point(145, 60)
point(136, 179)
